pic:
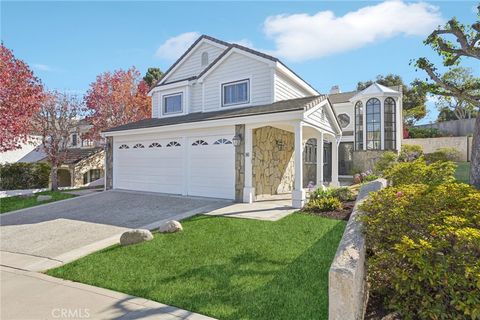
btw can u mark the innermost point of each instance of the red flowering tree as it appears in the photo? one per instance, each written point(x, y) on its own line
point(117, 98)
point(20, 96)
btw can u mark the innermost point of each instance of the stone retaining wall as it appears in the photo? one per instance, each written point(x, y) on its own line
point(347, 292)
point(429, 145)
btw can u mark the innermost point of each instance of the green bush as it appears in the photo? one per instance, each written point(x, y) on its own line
point(424, 133)
point(342, 193)
point(418, 171)
point(385, 162)
point(423, 253)
point(410, 152)
point(443, 154)
point(323, 204)
point(369, 177)
point(24, 176)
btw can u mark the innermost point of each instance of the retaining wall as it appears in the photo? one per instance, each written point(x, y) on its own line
point(347, 286)
point(429, 145)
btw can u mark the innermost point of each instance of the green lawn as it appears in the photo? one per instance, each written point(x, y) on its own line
point(18, 202)
point(226, 268)
point(463, 172)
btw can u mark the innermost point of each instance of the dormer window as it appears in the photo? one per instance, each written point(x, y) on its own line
point(237, 92)
point(172, 103)
point(204, 59)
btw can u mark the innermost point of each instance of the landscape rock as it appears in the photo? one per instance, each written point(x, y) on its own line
point(42, 198)
point(135, 236)
point(170, 226)
point(357, 178)
point(392, 316)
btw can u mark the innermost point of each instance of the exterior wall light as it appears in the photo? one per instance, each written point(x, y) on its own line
point(280, 144)
point(237, 139)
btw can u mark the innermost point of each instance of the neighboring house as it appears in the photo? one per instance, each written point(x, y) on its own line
point(25, 148)
point(84, 158)
point(227, 122)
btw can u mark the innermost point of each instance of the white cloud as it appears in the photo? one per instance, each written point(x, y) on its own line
point(42, 67)
point(174, 47)
point(303, 36)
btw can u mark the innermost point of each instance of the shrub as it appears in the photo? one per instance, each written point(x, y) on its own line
point(423, 253)
point(369, 177)
point(443, 154)
point(424, 133)
point(343, 194)
point(419, 171)
point(321, 193)
point(410, 152)
point(24, 176)
point(386, 161)
point(323, 204)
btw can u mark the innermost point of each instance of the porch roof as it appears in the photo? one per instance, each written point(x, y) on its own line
point(297, 104)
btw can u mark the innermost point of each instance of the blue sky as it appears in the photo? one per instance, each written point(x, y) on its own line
point(68, 44)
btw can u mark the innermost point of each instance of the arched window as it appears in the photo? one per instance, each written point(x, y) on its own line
point(223, 141)
point(359, 125)
point(173, 144)
point(155, 145)
point(124, 146)
point(138, 146)
point(389, 124)
point(373, 124)
point(204, 59)
point(200, 143)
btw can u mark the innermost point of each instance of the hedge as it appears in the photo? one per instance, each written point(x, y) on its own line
point(24, 176)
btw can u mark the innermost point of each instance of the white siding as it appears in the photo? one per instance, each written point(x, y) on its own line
point(192, 66)
point(195, 98)
point(286, 89)
point(238, 67)
point(155, 105)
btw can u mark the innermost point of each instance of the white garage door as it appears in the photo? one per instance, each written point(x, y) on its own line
point(197, 166)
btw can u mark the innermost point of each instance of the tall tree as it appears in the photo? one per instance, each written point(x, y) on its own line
point(152, 76)
point(454, 42)
point(414, 100)
point(56, 120)
point(459, 107)
point(117, 98)
point(20, 96)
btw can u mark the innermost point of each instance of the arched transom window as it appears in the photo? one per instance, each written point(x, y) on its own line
point(359, 125)
point(124, 146)
point(223, 141)
point(200, 143)
point(173, 144)
point(138, 146)
point(373, 118)
point(155, 145)
point(389, 124)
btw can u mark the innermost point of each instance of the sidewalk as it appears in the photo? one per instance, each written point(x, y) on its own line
point(30, 295)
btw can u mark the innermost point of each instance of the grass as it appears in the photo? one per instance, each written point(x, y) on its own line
point(226, 268)
point(463, 172)
point(19, 202)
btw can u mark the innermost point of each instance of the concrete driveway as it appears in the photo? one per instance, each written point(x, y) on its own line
point(43, 237)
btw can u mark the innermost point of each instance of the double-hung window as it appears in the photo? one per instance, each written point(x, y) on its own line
point(172, 103)
point(237, 92)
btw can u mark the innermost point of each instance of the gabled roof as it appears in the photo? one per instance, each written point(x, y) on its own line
point(347, 96)
point(228, 46)
point(304, 103)
point(375, 89)
point(75, 155)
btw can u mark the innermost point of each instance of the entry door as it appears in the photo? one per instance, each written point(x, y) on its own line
point(327, 162)
point(211, 167)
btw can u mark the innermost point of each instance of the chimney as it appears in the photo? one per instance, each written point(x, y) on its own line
point(335, 89)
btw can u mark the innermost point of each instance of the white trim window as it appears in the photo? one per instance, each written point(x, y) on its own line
point(172, 103)
point(237, 92)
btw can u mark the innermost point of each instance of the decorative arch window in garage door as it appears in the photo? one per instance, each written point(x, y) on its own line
point(155, 145)
point(223, 141)
point(173, 144)
point(200, 143)
point(124, 146)
point(138, 146)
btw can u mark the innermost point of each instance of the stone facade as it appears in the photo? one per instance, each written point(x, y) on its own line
point(94, 162)
point(365, 160)
point(273, 161)
point(109, 163)
point(240, 163)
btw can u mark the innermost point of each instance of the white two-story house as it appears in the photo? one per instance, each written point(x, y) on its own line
point(227, 122)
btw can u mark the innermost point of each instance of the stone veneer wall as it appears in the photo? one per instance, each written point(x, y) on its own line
point(365, 160)
point(240, 163)
point(96, 161)
point(272, 166)
point(109, 163)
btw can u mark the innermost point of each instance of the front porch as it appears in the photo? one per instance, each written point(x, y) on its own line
point(278, 160)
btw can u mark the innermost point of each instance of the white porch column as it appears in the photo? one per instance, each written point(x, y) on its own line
point(335, 181)
point(298, 194)
point(320, 160)
point(248, 189)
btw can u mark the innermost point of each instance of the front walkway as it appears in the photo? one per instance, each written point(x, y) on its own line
point(30, 295)
point(272, 208)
